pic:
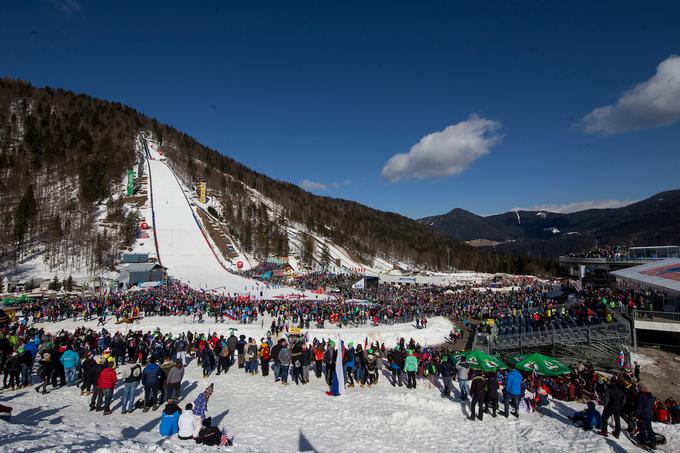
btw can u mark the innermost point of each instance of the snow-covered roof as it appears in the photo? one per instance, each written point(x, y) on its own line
point(664, 274)
point(140, 267)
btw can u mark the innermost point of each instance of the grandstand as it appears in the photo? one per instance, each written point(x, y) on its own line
point(595, 266)
point(572, 337)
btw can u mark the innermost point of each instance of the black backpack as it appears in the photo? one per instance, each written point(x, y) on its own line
point(135, 373)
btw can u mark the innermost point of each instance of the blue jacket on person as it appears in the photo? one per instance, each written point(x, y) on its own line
point(349, 356)
point(70, 358)
point(200, 405)
point(170, 421)
point(31, 346)
point(151, 374)
point(513, 383)
point(591, 417)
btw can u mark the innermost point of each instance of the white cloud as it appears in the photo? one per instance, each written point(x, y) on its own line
point(578, 206)
point(653, 103)
point(68, 7)
point(343, 183)
point(445, 153)
point(308, 184)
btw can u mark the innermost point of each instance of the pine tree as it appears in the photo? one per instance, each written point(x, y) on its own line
point(128, 229)
point(24, 214)
point(68, 284)
point(247, 237)
point(54, 284)
point(325, 255)
point(308, 249)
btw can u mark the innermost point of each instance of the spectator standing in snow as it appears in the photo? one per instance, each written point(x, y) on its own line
point(69, 359)
point(410, 367)
point(45, 371)
point(132, 374)
point(513, 390)
point(644, 412)
point(463, 370)
point(446, 372)
point(106, 383)
point(491, 399)
point(284, 361)
point(174, 380)
point(478, 392)
point(151, 380)
point(613, 407)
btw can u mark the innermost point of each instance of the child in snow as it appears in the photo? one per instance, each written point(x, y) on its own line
point(201, 403)
point(541, 398)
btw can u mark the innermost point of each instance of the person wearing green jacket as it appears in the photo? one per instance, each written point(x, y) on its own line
point(410, 367)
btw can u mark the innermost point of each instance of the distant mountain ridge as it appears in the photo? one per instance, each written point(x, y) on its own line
point(653, 221)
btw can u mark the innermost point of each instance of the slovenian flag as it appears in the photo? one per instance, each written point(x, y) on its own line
point(621, 360)
point(338, 383)
point(230, 316)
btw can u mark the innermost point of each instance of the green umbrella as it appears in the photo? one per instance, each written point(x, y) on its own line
point(479, 360)
point(543, 365)
point(15, 300)
point(514, 358)
point(455, 357)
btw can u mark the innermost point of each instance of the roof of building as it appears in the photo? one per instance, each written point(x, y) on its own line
point(140, 267)
point(663, 274)
point(127, 269)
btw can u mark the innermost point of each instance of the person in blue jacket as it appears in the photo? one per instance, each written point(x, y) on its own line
point(70, 360)
point(170, 419)
point(587, 419)
point(151, 377)
point(349, 359)
point(513, 390)
point(201, 402)
point(32, 347)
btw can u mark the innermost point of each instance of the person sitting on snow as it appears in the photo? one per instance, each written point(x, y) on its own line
point(189, 425)
point(587, 419)
point(170, 418)
point(209, 435)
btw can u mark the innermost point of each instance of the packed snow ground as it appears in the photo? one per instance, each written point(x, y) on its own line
point(269, 417)
point(437, 330)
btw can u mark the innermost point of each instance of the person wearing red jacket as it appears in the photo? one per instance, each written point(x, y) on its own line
point(105, 383)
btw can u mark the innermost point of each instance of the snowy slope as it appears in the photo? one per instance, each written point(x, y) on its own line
point(182, 246)
point(268, 417)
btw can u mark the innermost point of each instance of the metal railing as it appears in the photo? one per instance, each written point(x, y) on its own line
point(662, 316)
point(609, 259)
point(563, 335)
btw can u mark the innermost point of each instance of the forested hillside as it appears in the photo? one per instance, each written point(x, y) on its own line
point(63, 155)
point(653, 221)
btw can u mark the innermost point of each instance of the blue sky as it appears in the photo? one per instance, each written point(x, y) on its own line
point(326, 94)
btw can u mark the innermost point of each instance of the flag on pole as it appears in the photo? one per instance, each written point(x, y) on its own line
point(338, 383)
